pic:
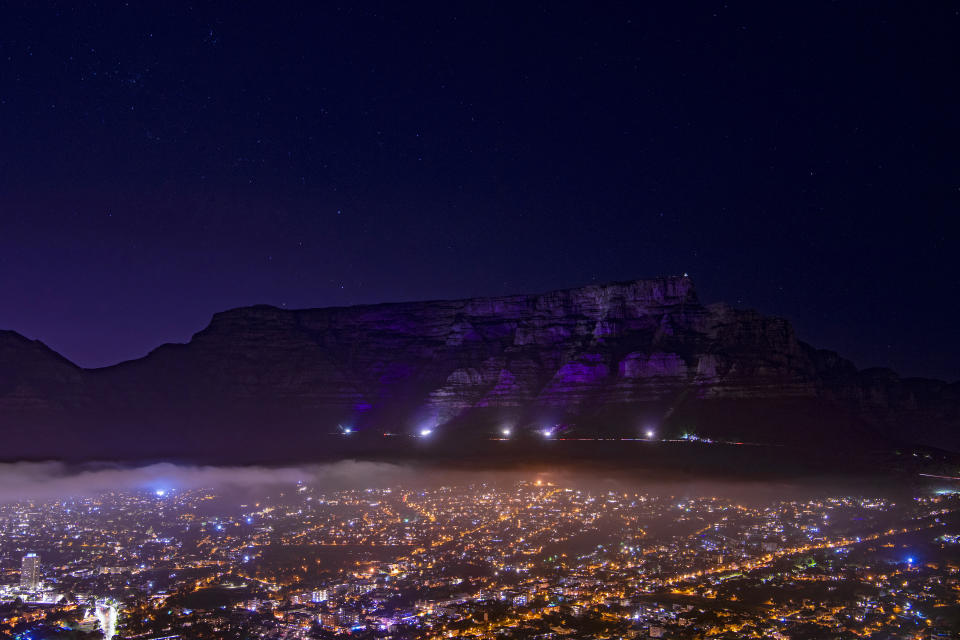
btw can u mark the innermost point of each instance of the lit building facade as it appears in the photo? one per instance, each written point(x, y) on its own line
point(30, 572)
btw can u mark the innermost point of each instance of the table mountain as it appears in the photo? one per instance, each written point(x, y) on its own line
point(602, 360)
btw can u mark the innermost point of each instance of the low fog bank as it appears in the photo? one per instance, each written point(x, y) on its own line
point(44, 481)
point(55, 480)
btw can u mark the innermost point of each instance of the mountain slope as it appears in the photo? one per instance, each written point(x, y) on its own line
point(607, 359)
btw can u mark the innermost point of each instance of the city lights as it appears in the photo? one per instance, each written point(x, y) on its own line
point(616, 561)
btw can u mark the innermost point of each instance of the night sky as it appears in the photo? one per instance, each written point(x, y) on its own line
point(158, 164)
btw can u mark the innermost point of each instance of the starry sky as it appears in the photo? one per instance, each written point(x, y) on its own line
point(160, 162)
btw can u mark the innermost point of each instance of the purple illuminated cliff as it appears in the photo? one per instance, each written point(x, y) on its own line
point(610, 359)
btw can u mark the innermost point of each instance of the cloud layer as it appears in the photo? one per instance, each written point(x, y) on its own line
point(54, 480)
point(41, 481)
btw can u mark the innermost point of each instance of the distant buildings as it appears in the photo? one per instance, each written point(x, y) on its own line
point(30, 572)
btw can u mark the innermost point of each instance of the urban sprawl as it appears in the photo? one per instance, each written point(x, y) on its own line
point(519, 559)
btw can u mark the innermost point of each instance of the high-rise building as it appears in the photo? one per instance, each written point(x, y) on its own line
point(30, 572)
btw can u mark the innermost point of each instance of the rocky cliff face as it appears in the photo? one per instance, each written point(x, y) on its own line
point(614, 358)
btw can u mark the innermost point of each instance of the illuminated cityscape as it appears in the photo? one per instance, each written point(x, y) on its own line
point(531, 558)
